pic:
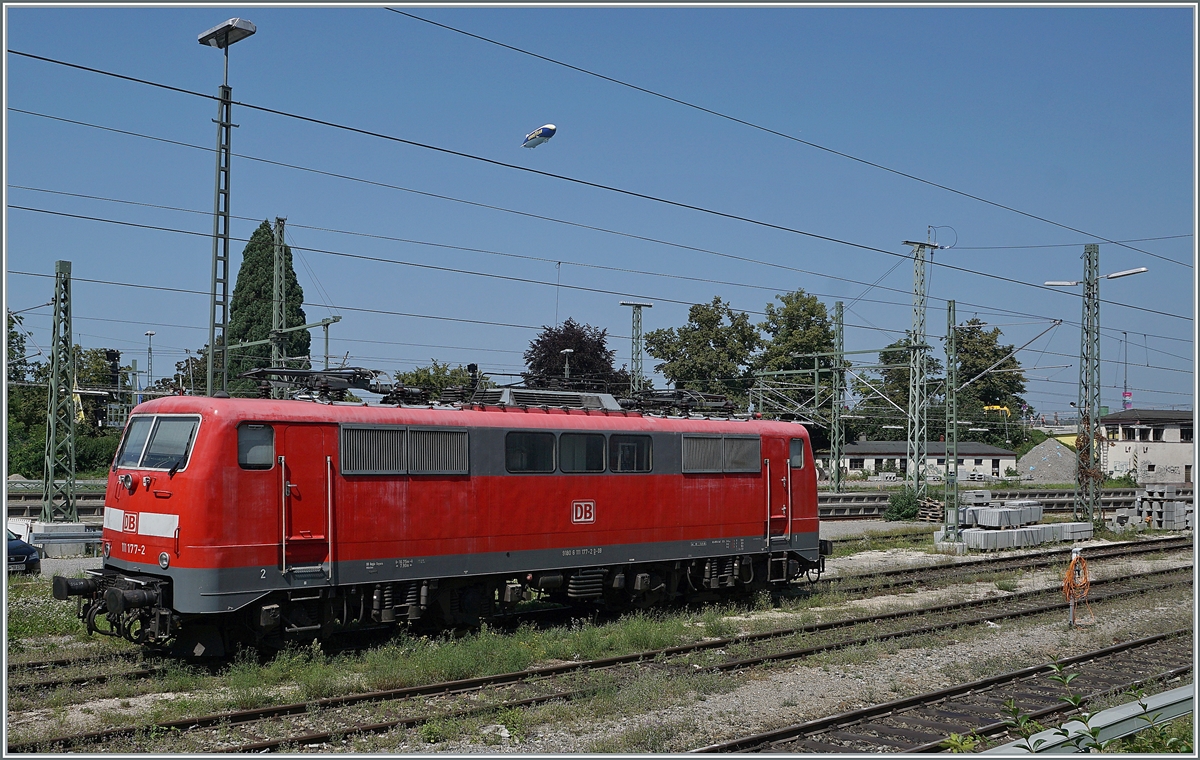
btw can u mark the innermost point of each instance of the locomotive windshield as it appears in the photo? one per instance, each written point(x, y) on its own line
point(158, 442)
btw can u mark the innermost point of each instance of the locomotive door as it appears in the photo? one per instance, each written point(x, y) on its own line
point(306, 499)
point(779, 492)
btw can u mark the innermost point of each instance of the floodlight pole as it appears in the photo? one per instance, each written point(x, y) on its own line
point(218, 314)
point(278, 306)
point(635, 362)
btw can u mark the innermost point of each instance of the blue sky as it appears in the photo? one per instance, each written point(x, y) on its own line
point(1082, 116)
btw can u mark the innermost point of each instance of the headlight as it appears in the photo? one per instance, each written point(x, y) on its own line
point(164, 560)
point(107, 548)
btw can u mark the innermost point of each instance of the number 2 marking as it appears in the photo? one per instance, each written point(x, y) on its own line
point(262, 573)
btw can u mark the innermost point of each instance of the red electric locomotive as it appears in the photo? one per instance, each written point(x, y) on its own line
point(261, 521)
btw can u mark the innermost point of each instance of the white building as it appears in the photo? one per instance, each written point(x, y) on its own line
point(977, 459)
point(1155, 445)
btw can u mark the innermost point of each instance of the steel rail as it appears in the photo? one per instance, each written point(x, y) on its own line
point(470, 684)
point(800, 730)
point(95, 678)
point(135, 654)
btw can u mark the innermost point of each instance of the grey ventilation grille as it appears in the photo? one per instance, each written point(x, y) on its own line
point(715, 453)
point(538, 398)
point(437, 451)
point(372, 450)
point(742, 454)
point(702, 453)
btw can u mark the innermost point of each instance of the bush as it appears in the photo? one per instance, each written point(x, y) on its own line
point(902, 505)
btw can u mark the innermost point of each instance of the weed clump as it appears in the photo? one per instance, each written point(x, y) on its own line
point(902, 505)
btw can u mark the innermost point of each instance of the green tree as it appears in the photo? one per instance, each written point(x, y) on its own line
point(436, 377)
point(799, 325)
point(26, 411)
point(591, 360)
point(1003, 386)
point(712, 353)
point(250, 309)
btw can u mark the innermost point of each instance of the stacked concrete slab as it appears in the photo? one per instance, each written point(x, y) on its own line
point(1012, 526)
point(1156, 508)
point(1008, 516)
point(991, 539)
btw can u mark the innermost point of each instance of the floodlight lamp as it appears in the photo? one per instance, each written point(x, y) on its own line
point(1125, 273)
point(223, 35)
point(1061, 283)
point(637, 303)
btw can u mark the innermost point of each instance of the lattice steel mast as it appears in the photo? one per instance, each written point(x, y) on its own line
point(58, 467)
point(836, 434)
point(1089, 476)
point(951, 494)
point(918, 431)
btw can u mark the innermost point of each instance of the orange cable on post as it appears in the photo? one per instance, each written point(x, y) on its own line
point(1075, 584)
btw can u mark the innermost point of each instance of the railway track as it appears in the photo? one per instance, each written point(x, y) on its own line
point(321, 720)
point(849, 584)
point(885, 579)
point(867, 505)
point(921, 723)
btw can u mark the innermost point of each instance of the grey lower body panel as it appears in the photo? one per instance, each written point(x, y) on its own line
point(209, 591)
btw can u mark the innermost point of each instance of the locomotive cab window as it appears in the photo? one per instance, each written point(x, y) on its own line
point(529, 452)
point(256, 446)
point(797, 453)
point(135, 441)
point(629, 453)
point(158, 442)
point(581, 452)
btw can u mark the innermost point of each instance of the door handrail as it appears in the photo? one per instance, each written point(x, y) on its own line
point(329, 511)
point(767, 462)
point(787, 531)
point(283, 494)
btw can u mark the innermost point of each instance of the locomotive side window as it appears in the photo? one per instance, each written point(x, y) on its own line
point(797, 453)
point(629, 453)
point(256, 447)
point(135, 441)
point(529, 452)
point(170, 443)
point(581, 452)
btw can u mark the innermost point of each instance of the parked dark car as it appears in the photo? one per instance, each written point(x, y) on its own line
point(22, 558)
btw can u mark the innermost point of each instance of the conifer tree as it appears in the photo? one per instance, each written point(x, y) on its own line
point(250, 309)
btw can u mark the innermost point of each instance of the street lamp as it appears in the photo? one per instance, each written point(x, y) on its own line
point(1088, 474)
point(566, 352)
point(221, 37)
point(149, 357)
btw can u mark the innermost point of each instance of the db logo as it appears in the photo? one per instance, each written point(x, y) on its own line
point(130, 522)
point(583, 511)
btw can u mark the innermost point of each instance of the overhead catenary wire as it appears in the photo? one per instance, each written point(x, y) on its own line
point(449, 269)
point(991, 309)
point(784, 135)
point(574, 180)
